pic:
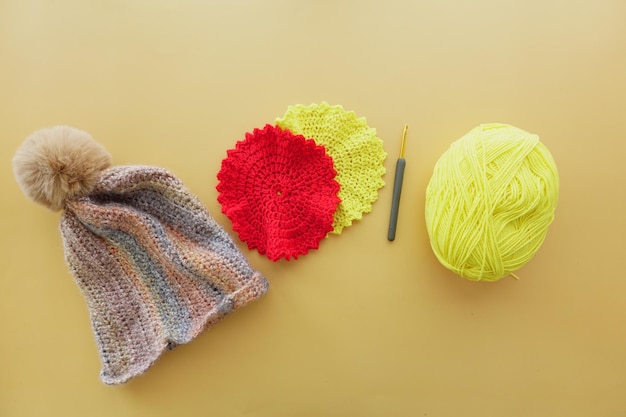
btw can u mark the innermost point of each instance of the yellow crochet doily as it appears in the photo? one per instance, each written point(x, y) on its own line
point(357, 154)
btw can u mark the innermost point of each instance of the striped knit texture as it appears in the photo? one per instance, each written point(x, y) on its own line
point(154, 267)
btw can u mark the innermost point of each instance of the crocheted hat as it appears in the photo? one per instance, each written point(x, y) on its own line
point(279, 191)
point(356, 151)
point(153, 266)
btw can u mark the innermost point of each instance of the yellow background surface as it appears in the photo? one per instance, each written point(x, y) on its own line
point(361, 327)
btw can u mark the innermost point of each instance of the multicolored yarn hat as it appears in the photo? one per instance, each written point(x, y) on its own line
point(153, 266)
point(356, 151)
point(279, 191)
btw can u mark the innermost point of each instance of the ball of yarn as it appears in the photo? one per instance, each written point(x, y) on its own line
point(57, 163)
point(490, 201)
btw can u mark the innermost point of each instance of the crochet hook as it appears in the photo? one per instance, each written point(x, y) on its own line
point(397, 189)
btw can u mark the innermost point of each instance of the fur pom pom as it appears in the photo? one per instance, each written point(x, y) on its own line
point(58, 163)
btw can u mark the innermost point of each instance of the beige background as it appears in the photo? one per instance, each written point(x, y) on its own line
point(361, 327)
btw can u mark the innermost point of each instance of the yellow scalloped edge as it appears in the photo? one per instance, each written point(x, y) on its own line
point(357, 154)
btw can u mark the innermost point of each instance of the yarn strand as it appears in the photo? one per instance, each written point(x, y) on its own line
point(490, 201)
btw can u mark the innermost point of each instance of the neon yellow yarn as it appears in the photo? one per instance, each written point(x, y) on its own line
point(357, 154)
point(490, 201)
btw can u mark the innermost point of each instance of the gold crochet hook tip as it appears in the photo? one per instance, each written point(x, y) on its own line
point(406, 127)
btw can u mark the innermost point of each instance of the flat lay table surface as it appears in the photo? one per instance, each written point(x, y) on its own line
point(362, 326)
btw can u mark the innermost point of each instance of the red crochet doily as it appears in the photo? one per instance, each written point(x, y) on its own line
point(279, 191)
